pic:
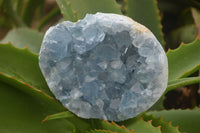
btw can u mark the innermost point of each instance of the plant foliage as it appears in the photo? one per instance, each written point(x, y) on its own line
point(28, 106)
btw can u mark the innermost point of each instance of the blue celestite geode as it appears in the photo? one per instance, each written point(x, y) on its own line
point(105, 66)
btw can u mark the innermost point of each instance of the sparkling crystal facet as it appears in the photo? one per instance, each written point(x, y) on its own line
point(105, 66)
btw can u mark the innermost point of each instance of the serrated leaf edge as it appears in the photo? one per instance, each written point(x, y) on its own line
point(102, 130)
point(122, 126)
point(173, 109)
point(72, 15)
point(26, 49)
point(150, 122)
point(161, 119)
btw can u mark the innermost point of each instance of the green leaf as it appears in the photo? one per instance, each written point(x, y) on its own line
point(186, 120)
point(80, 124)
point(67, 11)
point(185, 34)
point(66, 114)
point(29, 10)
point(19, 6)
point(105, 125)
point(100, 131)
point(181, 82)
point(146, 12)
point(184, 60)
point(48, 18)
point(69, 8)
point(166, 127)
point(22, 65)
point(23, 86)
point(22, 112)
point(24, 37)
point(9, 10)
point(91, 6)
point(101, 125)
point(140, 126)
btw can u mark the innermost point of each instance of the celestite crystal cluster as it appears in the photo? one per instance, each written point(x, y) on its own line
point(105, 66)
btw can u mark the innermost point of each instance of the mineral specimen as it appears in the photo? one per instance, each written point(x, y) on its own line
point(105, 66)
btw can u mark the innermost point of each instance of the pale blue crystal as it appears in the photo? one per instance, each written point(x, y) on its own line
point(105, 66)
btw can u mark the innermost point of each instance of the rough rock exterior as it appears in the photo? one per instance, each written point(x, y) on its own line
point(105, 66)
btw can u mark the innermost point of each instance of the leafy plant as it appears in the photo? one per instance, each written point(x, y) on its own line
point(27, 105)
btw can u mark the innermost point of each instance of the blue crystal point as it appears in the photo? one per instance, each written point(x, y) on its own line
point(105, 66)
